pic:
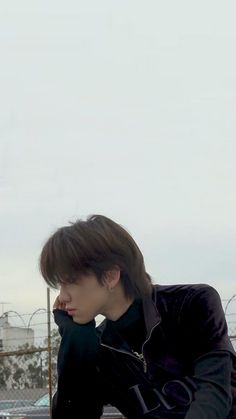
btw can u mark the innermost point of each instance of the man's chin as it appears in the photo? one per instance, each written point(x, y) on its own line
point(79, 320)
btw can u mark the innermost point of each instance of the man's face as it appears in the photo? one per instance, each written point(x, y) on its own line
point(84, 299)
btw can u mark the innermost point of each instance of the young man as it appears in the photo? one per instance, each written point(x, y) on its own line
point(161, 352)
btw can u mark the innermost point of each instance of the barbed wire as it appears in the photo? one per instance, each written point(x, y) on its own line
point(15, 315)
point(11, 315)
point(227, 299)
point(45, 311)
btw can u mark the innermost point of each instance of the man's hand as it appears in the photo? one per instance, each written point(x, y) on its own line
point(58, 304)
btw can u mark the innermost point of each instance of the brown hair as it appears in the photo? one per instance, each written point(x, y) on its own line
point(95, 245)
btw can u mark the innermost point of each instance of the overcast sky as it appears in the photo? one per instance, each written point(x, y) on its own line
point(123, 108)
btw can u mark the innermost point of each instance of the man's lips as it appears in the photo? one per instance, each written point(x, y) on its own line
point(71, 311)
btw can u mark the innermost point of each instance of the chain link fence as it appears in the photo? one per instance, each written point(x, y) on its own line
point(28, 355)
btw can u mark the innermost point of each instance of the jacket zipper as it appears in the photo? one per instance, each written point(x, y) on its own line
point(144, 343)
point(135, 355)
point(138, 356)
point(142, 359)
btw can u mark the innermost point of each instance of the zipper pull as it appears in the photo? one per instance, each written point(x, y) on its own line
point(144, 366)
point(141, 357)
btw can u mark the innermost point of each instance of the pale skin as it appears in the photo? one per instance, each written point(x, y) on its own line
point(85, 298)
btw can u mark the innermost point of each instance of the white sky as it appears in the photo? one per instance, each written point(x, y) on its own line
point(126, 109)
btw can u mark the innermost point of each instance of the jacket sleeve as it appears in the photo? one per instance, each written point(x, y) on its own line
point(212, 378)
point(206, 330)
point(77, 393)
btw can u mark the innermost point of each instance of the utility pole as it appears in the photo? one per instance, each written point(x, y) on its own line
point(3, 303)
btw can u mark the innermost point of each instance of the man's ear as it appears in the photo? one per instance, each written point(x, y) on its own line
point(112, 277)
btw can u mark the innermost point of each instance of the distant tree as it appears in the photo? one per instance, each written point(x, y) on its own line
point(55, 343)
point(5, 372)
point(19, 378)
point(29, 370)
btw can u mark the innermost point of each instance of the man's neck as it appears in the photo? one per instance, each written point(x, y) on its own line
point(118, 304)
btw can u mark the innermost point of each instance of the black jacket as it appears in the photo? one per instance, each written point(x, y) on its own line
point(185, 369)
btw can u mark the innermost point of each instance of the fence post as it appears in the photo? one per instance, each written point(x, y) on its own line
point(49, 353)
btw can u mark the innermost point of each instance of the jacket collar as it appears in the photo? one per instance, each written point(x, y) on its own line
point(151, 314)
point(152, 318)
